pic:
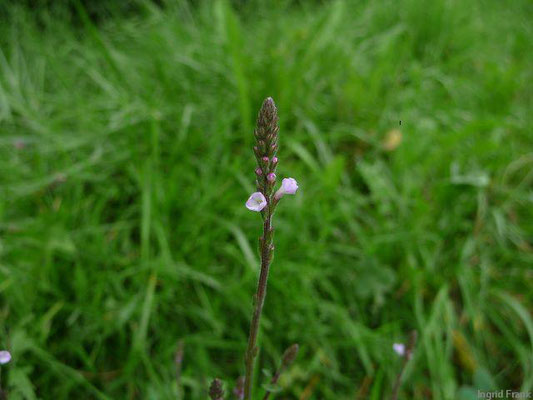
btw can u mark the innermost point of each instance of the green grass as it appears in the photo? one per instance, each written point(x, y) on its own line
point(125, 162)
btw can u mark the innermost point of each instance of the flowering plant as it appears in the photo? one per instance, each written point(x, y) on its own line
point(264, 200)
point(5, 357)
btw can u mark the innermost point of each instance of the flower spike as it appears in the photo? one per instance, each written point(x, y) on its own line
point(264, 200)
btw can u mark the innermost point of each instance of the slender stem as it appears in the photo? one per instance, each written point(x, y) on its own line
point(178, 360)
point(259, 299)
point(406, 358)
point(3, 395)
point(289, 355)
point(274, 380)
point(397, 384)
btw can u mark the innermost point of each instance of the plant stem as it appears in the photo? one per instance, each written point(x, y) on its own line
point(259, 299)
point(274, 381)
point(178, 360)
point(288, 357)
point(406, 358)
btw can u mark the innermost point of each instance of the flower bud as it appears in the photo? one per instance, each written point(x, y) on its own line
point(271, 177)
point(259, 171)
point(290, 354)
point(264, 164)
point(288, 186)
point(216, 391)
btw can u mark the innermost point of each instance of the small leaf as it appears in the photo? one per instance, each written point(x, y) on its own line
point(271, 388)
point(267, 372)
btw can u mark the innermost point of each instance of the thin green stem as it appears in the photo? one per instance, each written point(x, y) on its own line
point(259, 299)
point(274, 381)
point(408, 355)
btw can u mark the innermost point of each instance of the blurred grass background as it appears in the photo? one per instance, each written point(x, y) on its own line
point(125, 159)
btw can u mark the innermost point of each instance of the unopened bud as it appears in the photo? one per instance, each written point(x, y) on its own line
point(290, 354)
point(271, 177)
point(259, 171)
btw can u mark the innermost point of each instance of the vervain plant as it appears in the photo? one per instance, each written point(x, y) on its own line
point(5, 357)
point(406, 352)
point(264, 201)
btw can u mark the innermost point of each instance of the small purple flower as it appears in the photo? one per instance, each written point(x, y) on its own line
point(256, 202)
point(238, 391)
point(288, 186)
point(271, 177)
point(259, 171)
point(5, 357)
point(399, 348)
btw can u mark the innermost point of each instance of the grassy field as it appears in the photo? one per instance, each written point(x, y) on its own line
point(125, 162)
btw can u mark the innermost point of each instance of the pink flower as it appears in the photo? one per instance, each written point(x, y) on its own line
point(288, 186)
point(399, 348)
point(256, 202)
point(5, 357)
